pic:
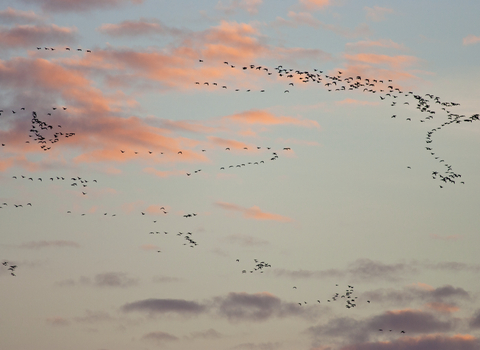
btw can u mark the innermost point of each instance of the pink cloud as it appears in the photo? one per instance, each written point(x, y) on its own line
point(11, 15)
point(149, 247)
point(143, 26)
point(253, 213)
point(35, 35)
point(471, 39)
point(267, 118)
point(79, 6)
point(364, 44)
point(314, 4)
point(442, 307)
point(57, 321)
point(434, 341)
point(297, 19)
point(351, 101)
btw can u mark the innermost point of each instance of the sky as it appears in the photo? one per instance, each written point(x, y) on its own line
point(239, 174)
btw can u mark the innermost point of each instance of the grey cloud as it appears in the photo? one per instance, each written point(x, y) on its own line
point(46, 244)
point(475, 321)
point(255, 307)
point(160, 337)
point(114, 279)
point(430, 342)
point(162, 306)
point(258, 346)
point(79, 6)
point(94, 317)
point(208, 334)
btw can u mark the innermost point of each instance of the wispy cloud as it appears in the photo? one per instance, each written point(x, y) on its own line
point(141, 27)
point(232, 6)
point(11, 15)
point(471, 39)
point(49, 244)
point(253, 212)
point(377, 13)
point(80, 6)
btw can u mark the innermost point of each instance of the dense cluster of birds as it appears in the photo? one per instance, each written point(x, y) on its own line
point(43, 133)
point(259, 266)
point(10, 268)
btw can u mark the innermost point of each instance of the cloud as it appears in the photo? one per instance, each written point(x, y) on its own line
point(245, 240)
point(353, 330)
point(149, 247)
point(114, 279)
point(297, 19)
point(47, 244)
point(412, 293)
point(384, 43)
point(253, 212)
point(57, 321)
point(442, 307)
point(376, 13)
point(428, 342)
point(160, 337)
point(471, 39)
point(232, 6)
point(11, 15)
point(235, 307)
point(258, 346)
point(351, 101)
point(165, 279)
point(141, 27)
point(255, 307)
point(360, 269)
point(314, 4)
point(34, 35)
point(208, 334)
point(93, 317)
point(266, 118)
point(394, 62)
point(79, 6)
point(475, 321)
point(163, 306)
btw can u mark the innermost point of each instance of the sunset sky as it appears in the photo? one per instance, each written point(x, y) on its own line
point(239, 174)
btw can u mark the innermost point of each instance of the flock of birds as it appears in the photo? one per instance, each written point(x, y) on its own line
point(42, 132)
point(46, 134)
point(387, 91)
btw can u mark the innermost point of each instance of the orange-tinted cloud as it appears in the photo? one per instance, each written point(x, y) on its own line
point(11, 15)
point(143, 26)
point(364, 44)
point(267, 118)
point(149, 247)
point(395, 62)
point(297, 19)
point(442, 307)
point(314, 4)
point(351, 101)
point(471, 39)
point(253, 212)
point(446, 238)
point(34, 35)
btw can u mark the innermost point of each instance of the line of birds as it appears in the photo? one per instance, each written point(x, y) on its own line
point(75, 181)
point(369, 85)
point(15, 205)
point(66, 49)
